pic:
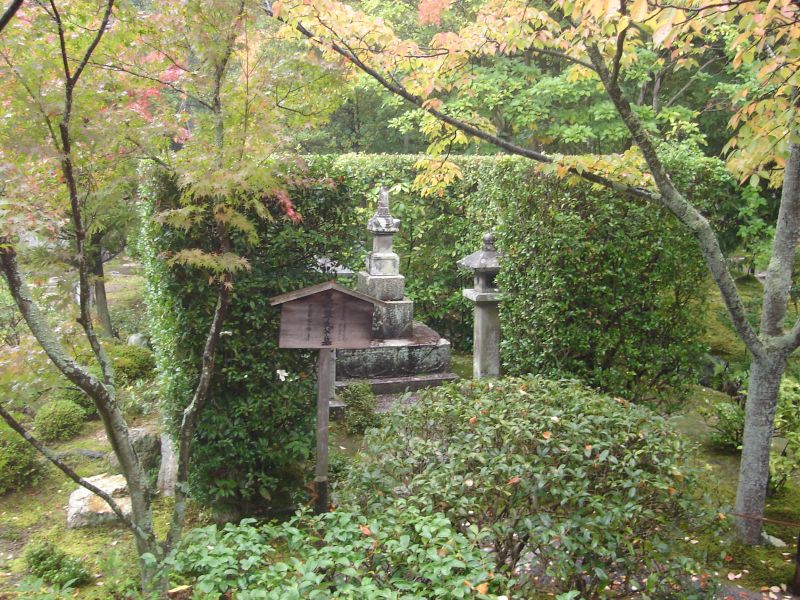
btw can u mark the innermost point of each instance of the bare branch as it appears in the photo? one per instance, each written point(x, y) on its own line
point(90, 50)
point(9, 13)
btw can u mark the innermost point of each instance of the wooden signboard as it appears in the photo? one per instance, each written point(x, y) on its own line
point(325, 316)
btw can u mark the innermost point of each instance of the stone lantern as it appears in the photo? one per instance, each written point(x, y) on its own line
point(485, 264)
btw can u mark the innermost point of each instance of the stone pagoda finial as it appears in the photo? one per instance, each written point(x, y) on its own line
point(383, 223)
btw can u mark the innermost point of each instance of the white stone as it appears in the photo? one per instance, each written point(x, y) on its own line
point(85, 509)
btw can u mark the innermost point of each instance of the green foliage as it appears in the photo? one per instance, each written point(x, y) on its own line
point(727, 423)
point(10, 319)
point(255, 434)
point(19, 465)
point(594, 487)
point(55, 566)
point(257, 427)
point(59, 420)
point(360, 411)
point(609, 289)
point(131, 363)
point(74, 395)
point(399, 554)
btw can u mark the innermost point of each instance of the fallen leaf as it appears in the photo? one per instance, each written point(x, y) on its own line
point(547, 435)
point(365, 530)
point(482, 588)
point(514, 480)
point(473, 420)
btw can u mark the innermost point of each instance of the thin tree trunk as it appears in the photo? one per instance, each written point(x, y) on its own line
point(762, 399)
point(100, 298)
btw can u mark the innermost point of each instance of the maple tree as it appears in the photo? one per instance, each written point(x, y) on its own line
point(601, 42)
point(87, 91)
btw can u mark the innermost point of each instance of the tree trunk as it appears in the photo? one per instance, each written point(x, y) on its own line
point(762, 399)
point(100, 298)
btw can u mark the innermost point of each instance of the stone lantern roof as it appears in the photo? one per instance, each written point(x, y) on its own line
point(486, 260)
point(383, 223)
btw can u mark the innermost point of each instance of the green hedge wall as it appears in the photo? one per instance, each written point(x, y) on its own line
point(597, 286)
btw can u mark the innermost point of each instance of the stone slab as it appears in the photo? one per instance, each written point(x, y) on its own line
point(382, 386)
point(423, 352)
point(393, 320)
point(382, 287)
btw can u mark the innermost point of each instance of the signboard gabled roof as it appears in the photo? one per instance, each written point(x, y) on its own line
point(323, 287)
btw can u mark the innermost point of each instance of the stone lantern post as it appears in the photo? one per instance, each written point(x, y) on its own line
point(485, 265)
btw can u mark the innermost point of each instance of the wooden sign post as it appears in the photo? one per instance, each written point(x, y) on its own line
point(325, 316)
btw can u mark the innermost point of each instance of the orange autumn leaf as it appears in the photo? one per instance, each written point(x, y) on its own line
point(482, 588)
point(473, 420)
point(365, 530)
point(514, 480)
point(547, 435)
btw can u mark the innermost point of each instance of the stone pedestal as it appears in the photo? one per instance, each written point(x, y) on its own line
point(404, 355)
point(486, 333)
point(485, 265)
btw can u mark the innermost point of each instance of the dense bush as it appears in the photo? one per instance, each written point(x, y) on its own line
point(131, 363)
point(75, 395)
point(255, 434)
point(55, 566)
point(592, 489)
point(361, 404)
point(398, 554)
point(19, 464)
point(59, 420)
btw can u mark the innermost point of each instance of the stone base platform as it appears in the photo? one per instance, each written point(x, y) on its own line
point(423, 352)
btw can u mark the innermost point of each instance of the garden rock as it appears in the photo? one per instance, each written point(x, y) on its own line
point(85, 509)
point(138, 339)
point(147, 445)
point(772, 540)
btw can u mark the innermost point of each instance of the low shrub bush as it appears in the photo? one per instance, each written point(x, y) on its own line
point(594, 491)
point(131, 363)
point(401, 553)
point(75, 395)
point(59, 420)
point(360, 411)
point(19, 464)
point(55, 566)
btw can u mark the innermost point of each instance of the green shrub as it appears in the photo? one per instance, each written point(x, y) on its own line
point(131, 363)
point(360, 411)
point(726, 419)
point(19, 464)
point(399, 554)
point(55, 566)
point(74, 395)
point(591, 488)
point(59, 420)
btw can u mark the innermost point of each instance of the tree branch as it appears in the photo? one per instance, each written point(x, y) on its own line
point(64, 468)
point(686, 213)
point(9, 13)
point(418, 102)
point(90, 50)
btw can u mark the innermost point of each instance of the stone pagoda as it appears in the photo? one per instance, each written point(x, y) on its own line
point(405, 355)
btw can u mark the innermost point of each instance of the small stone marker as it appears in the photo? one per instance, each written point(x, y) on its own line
point(485, 265)
point(325, 316)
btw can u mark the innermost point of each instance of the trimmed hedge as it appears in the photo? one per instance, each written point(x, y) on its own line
point(256, 431)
